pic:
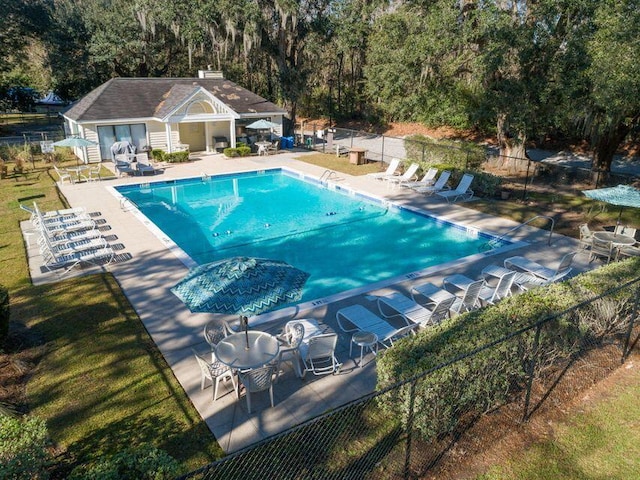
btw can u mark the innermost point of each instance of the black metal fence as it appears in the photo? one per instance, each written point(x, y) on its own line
point(362, 440)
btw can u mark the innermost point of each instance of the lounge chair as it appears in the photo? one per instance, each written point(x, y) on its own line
point(461, 191)
point(66, 248)
point(535, 274)
point(389, 172)
point(123, 165)
point(357, 318)
point(413, 312)
point(492, 295)
point(142, 164)
point(440, 185)
point(467, 297)
point(428, 179)
point(53, 261)
point(407, 176)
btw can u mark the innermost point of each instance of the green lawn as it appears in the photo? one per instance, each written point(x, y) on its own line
point(603, 442)
point(100, 382)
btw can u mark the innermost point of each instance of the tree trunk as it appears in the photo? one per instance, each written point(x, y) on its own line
point(605, 147)
point(513, 153)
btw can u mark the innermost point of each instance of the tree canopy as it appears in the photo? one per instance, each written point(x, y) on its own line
point(521, 69)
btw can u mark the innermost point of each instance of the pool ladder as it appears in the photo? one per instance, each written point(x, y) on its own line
point(328, 175)
point(494, 242)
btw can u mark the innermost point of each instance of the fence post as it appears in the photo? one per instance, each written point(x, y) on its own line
point(634, 315)
point(407, 457)
point(532, 366)
point(424, 146)
point(351, 138)
point(382, 159)
point(526, 181)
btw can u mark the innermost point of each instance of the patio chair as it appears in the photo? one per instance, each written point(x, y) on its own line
point(586, 235)
point(257, 380)
point(389, 172)
point(63, 175)
point(628, 252)
point(461, 191)
point(491, 295)
point(357, 318)
point(66, 248)
point(215, 372)
point(54, 261)
point(625, 230)
point(213, 332)
point(407, 176)
point(413, 312)
point(601, 249)
point(273, 148)
point(290, 348)
point(440, 185)
point(123, 165)
point(427, 180)
point(320, 358)
point(535, 274)
point(94, 172)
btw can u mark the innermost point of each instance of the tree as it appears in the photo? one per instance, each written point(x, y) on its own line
point(613, 107)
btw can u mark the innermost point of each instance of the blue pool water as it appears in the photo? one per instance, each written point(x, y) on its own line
point(341, 239)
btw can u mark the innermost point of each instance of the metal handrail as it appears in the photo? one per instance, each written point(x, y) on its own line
point(498, 239)
point(329, 174)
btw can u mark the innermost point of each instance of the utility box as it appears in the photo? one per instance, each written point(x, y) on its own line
point(356, 155)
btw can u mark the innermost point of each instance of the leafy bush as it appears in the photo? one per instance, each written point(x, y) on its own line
point(23, 448)
point(4, 314)
point(143, 463)
point(231, 152)
point(176, 157)
point(459, 154)
point(158, 154)
point(244, 150)
point(444, 398)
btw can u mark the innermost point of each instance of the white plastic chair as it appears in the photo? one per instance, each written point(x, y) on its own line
point(213, 333)
point(492, 295)
point(320, 357)
point(586, 235)
point(389, 172)
point(290, 350)
point(441, 184)
point(461, 191)
point(407, 176)
point(427, 180)
point(257, 380)
point(602, 249)
point(470, 298)
point(215, 372)
point(63, 175)
point(624, 230)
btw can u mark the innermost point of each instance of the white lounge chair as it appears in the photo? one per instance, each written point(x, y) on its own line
point(407, 176)
point(428, 179)
point(413, 312)
point(357, 318)
point(389, 172)
point(535, 274)
point(123, 165)
point(82, 245)
point(461, 191)
point(53, 261)
point(440, 185)
point(142, 164)
point(492, 295)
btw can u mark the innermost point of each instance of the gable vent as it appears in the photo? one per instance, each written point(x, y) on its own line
point(210, 74)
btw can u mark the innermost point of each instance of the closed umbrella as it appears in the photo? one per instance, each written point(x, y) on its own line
point(621, 195)
point(241, 286)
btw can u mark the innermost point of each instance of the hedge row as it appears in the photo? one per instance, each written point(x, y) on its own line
point(496, 375)
point(174, 157)
point(240, 151)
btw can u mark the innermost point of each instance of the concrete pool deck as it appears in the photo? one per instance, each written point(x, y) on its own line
point(146, 270)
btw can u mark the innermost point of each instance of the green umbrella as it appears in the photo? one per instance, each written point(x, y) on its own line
point(75, 142)
point(622, 196)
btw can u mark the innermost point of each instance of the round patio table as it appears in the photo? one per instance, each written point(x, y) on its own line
point(232, 350)
point(617, 239)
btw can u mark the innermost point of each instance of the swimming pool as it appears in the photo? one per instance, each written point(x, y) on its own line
point(343, 239)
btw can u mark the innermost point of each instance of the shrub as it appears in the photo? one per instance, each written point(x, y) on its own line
point(449, 395)
point(459, 154)
point(244, 150)
point(158, 154)
point(23, 448)
point(4, 314)
point(143, 463)
point(176, 157)
point(231, 152)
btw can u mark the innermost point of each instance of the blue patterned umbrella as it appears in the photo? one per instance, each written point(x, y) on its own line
point(240, 286)
point(622, 196)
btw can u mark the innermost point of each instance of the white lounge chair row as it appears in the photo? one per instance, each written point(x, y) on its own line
point(134, 164)
point(68, 238)
point(428, 185)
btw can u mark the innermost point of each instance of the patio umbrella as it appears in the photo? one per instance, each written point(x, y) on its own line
point(622, 196)
point(240, 286)
point(262, 125)
point(75, 142)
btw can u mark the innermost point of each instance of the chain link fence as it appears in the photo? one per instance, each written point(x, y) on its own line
point(396, 432)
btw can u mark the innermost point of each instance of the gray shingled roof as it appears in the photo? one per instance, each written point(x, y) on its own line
point(156, 97)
